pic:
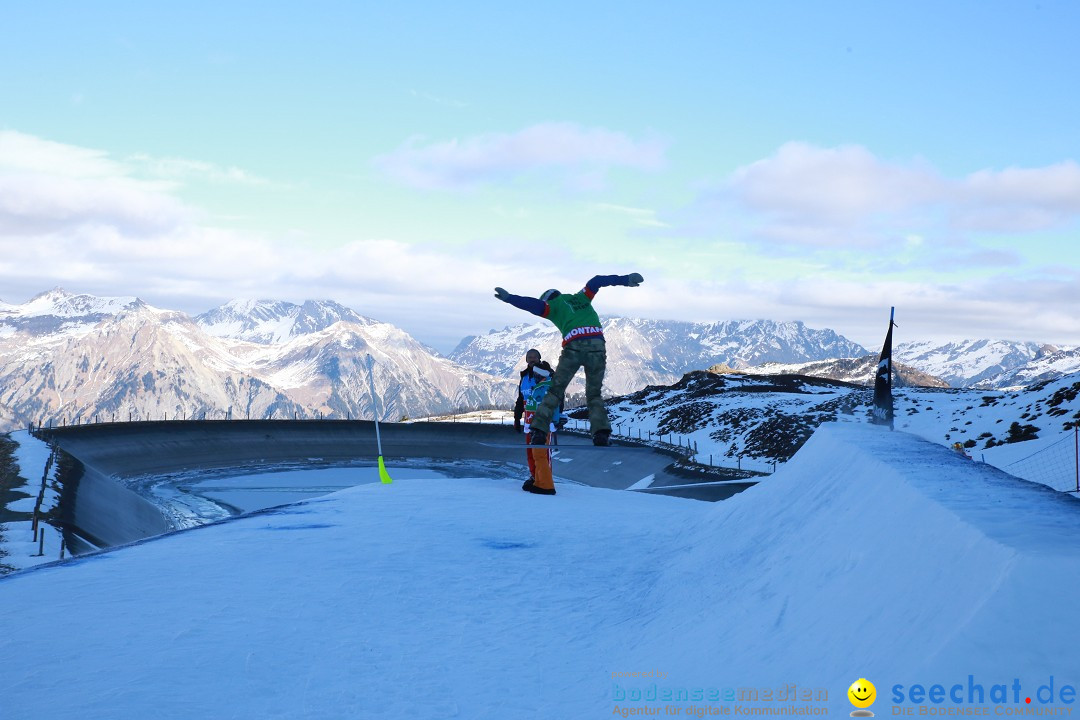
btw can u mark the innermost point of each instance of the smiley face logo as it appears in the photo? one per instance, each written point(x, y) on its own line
point(862, 693)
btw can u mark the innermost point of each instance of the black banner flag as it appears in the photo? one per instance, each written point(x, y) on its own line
point(883, 401)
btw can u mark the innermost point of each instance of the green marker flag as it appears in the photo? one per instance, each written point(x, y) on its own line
point(383, 475)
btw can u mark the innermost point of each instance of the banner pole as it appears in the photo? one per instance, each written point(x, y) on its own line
point(384, 476)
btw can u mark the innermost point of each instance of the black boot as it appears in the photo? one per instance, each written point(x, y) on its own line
point(539, 490)
point(602, 437)
point(527, 487)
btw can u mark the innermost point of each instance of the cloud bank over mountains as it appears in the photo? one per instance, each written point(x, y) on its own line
point(848, 197)
point(832, 236)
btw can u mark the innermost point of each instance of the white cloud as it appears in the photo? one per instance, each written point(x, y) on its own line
point(1020, 199)
point(24, 153)
point(810, 196)
point(834, 186)
point(1006, 306)
point(443, 294)
point(440, 295)
point(76, 218)
point(48, 187)
point(38, 203)
point(580, 155)
point(438, 100)
point(640, 216)
point(181, 169)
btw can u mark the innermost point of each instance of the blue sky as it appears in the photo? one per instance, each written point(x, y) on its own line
point(795, 161)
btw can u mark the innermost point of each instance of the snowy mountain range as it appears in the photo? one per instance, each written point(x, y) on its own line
point(989, 364)
point(653, 352)
point(659, 352)
point(1046, 367)
point(270, 322)
point(74, 358)
point(859, 371)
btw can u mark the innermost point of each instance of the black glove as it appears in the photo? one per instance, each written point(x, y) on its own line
point(635, 279)
point(503, 295)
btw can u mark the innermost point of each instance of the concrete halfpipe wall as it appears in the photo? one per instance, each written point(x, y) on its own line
point(106, 512)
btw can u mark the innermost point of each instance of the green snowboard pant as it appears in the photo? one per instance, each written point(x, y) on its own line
point(590, 353)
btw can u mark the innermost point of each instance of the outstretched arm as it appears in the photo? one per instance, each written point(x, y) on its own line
point(599, 281)
point(528, 304)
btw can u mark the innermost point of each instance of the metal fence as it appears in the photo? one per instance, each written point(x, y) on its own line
point(1056, 465)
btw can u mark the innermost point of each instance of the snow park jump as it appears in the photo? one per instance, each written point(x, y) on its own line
point(872, 554)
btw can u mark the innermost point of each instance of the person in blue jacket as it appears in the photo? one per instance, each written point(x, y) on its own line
point(527, 381)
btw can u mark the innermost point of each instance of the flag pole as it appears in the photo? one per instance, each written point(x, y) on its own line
point(383, 475)
point(892, 324)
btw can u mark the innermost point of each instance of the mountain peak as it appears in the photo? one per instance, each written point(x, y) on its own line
point(269, 322)
point(56, 292)
point(59, 312)
point(60, 303)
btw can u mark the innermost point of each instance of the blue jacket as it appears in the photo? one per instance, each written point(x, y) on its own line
point(525, 387)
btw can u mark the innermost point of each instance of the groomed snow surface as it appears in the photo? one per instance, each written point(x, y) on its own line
point(870, 555)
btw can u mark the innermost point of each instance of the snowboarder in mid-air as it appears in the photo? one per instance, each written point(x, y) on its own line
point(582, 346)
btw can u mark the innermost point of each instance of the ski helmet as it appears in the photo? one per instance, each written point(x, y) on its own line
point(550, 294)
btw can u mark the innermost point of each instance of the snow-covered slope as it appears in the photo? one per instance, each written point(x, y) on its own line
point(28, 483)
point(873, 554)
point(753, 421)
